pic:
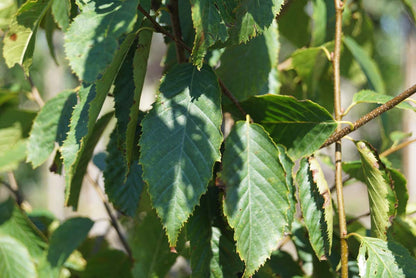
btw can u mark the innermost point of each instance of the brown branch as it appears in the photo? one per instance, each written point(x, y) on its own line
point(113, 219)
point(162, 30)
point(396, 148)
point(15, 192)
point(358, 218)
point(338, 154)
point(176, 26)
point(370, 116)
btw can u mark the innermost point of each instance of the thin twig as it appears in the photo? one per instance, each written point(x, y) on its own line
point(231, 97)
point(16, 193)
point(176, 26)
point(162, 30)
point(35, 93)
point(358, 218)
point(113, 219)
point(396, 148)
point(338, 154)
point(370, 116)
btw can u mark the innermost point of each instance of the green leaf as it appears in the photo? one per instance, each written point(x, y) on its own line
point(92, 38)
point(64, 240)
point(213, 252)
point(379, 185)
point(46, 125)
point(294, 23)
point(61, 10)
point(301, 126)
point(281, 263)
point(209, 28)
point(180, 143)
point(319, 17)
point(150, 247)
point(19, 42)
point(123, 186)
point(245, 68)
point(367, 64)
point(74, 181)
point(355, 170)
point(254, 17)
point(256, 201)
point(403, 231)
point(139, 72)
point(378, 258)
point(9, 160)
point(17, 225)
point(109, 263)
point(368, 96)
point(83, 121)
point(316, 205)
point(15, 260)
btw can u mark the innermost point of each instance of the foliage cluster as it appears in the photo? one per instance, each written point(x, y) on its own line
point(225, 200)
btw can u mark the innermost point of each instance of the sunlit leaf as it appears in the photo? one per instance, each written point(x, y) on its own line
point(53, 117)
point(301, 126)
point(380, 192)
point(209, 28)
point(15, 260)
point(180, 143)
point(15, 223)
point(368, 96)
point(378, 258)
point(92, 38)
point(61, 10)
point(19, 42)
point(316, 205)
point(83, 121)
point(256, 200)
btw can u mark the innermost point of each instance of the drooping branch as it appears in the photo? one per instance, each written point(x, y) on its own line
point(113, 219)
point(370, 116)
point(176, 26)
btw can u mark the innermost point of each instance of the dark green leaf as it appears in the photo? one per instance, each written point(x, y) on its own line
point(245, 68)
point(316, 205)
point(294, 22)
point(253, 18)
point(209, 28)
point(378, 258)
point(180, 143)
point(281, 263)
point(256, 201)
point(74, 181)
point(15, 260)
point(109, 263)
point(139, 72)
point(45, 127)
point(151, 253)
point(213, 253)
point(64, 240)
point(319, 22)
point(367, 64)
point(123, 186)
point(61, 10)
point(380, 192)
point(301, 126)
point(92, 38)
point(20, 40)
point(83, 120)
